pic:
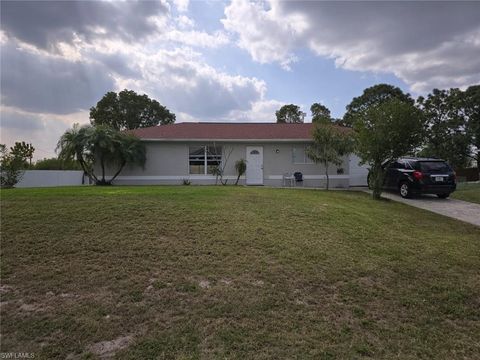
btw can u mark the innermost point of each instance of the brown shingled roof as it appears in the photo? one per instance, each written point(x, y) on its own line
point(227, 131)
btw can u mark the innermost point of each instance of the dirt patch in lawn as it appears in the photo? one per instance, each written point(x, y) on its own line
point(106, 349)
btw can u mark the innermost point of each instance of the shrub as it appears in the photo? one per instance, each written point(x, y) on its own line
point(241, 168)
point(57, 164)
point(11, 168)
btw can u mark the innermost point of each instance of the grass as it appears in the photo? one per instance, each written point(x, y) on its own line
point(468, 192)
point(234, 272)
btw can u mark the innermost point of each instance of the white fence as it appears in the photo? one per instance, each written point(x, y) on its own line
point(44, 178)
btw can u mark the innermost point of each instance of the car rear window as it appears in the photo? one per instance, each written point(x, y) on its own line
point(434, 166)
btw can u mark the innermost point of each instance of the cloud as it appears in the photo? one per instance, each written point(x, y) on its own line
point(20, 121)
point(118, 63)
point(265, 33)
point(50, 84)
point(260, 111)
point(41, 130)
point(426, 44)
point(44, 24)
point(181, 5)
point(197, 38)
point(185, 83)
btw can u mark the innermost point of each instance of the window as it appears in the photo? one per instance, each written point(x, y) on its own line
point(254, 152)
point(435, 166)
point(300, 155)
point(204, 159)
point(398, 165)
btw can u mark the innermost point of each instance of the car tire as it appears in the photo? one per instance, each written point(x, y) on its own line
point(443, 196)
point(405, 190)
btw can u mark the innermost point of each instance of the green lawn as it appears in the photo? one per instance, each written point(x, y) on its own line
point(467, 192)
point(234, 273)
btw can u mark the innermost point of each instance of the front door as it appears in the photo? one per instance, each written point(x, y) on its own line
point(254, 165)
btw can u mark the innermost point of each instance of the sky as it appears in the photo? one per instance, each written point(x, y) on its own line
point(237, 61)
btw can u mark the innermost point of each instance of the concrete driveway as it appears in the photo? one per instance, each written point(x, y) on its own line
point(456, 209)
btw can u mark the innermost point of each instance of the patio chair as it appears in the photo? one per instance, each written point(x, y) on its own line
point(298, 177)
point(288, 178)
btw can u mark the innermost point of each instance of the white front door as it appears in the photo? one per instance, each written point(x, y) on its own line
point(254, 165)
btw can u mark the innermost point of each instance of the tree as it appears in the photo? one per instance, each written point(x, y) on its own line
point(320, 113)
point(56, 164)
point(219, 169)
point(22, 150)
point(240, 168)
point(472, 113)
point(386, 131)
point(331, 143)
point(11, 168)
point(73, 145)
point(290, 114)
point(127, 110)
point(101, 146)
point(447, 135)
point(372, 96)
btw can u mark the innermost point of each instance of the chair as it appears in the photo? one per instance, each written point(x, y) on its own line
point(298, 177)
point(288, 178)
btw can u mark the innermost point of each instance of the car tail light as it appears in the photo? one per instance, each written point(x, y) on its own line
point(417, 175)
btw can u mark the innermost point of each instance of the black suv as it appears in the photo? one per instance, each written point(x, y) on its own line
point(412, 176)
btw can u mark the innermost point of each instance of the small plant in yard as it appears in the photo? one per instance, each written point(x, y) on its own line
point(219, 170)
point(186, 182)
point(11, 168)
point(240, 168)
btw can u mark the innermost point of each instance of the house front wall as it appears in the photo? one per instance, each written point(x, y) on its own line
point(168, 163)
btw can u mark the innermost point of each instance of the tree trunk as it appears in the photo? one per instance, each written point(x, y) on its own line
point(84, 168)
point(238, 178)
point(102, 164)
point(326, 174)
point(377, 172)
point(478, 164)
point(118, 172)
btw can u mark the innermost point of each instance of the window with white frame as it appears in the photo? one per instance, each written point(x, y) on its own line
point(204, 159)
point(299, 155)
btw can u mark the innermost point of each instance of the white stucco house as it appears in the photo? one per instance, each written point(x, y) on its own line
point(191, 150)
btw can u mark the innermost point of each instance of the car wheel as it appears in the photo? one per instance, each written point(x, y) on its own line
point(443, 196)
point(405, 191)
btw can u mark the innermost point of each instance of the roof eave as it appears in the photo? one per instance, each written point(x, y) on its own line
point(224, 140)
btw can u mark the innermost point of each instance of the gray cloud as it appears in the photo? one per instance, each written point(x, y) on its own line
point(15, 120)
point(396, 27)
point(45, 23)
point(48, 84)
point(182, 81)
point(42, 130)
point(120, 64)
point(426, 44)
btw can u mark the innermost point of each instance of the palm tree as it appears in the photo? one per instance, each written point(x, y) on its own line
point(129, 150)
point(72, 145)
point(103, 146)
